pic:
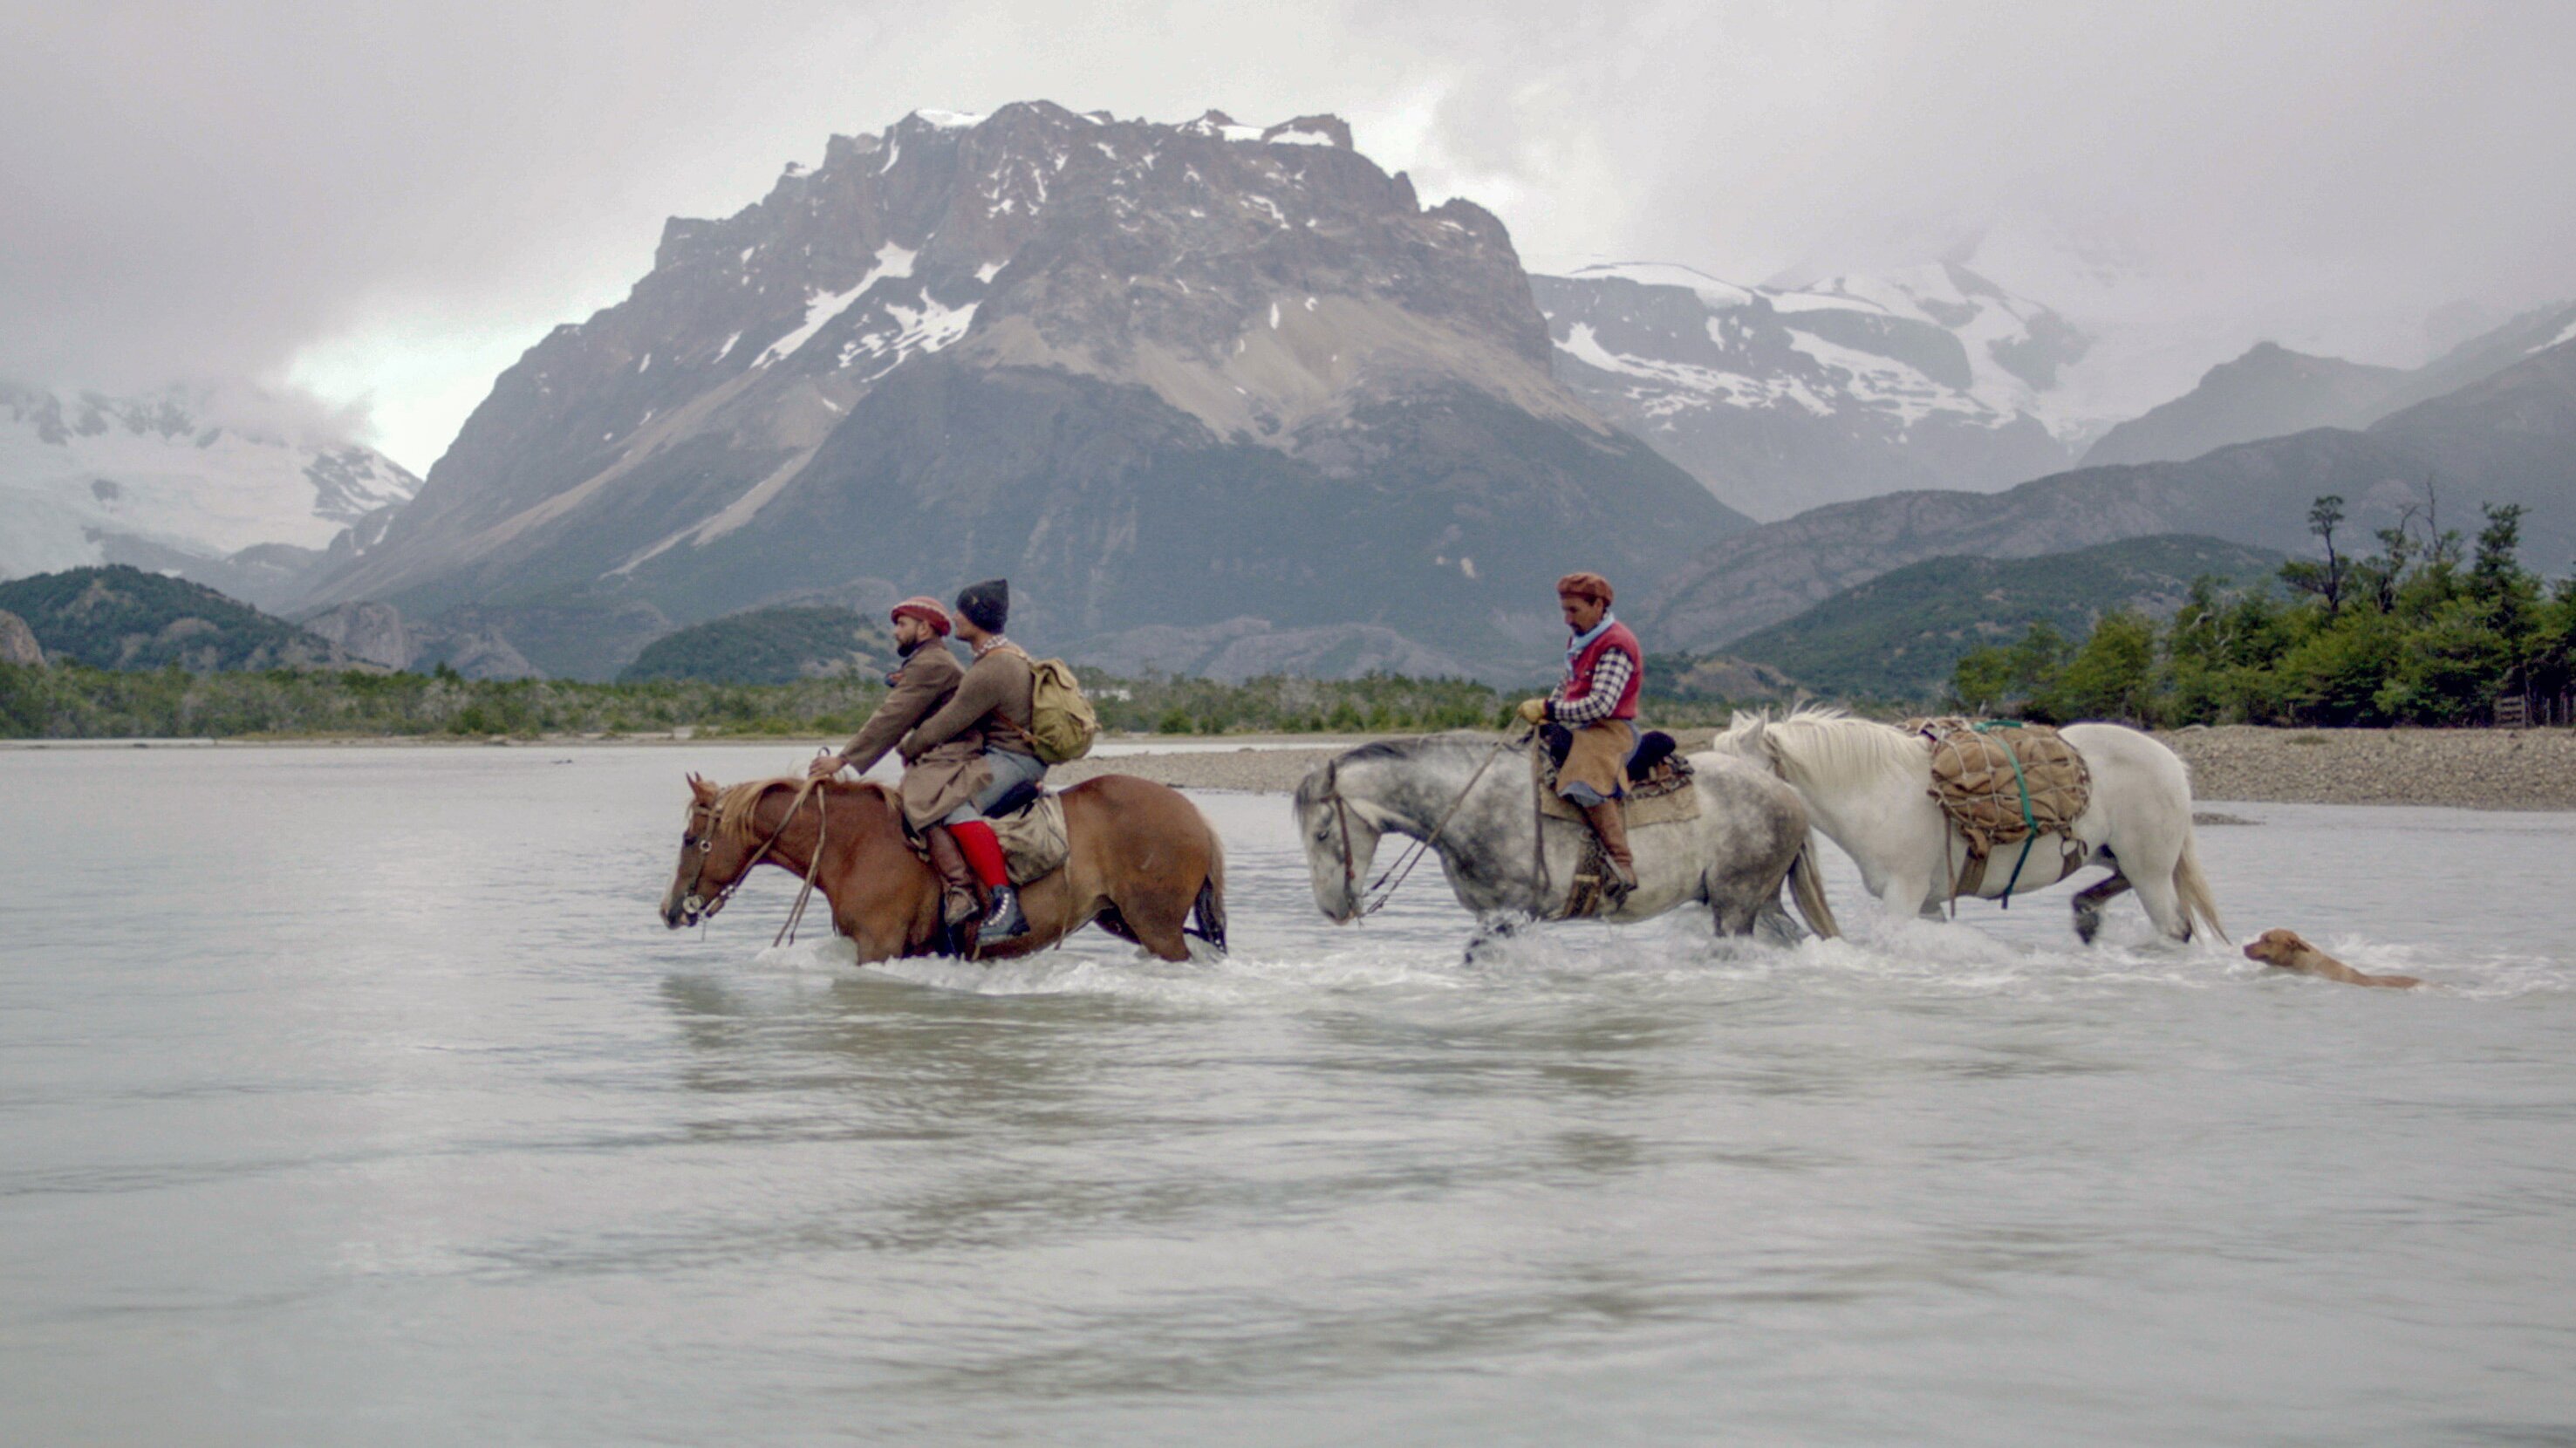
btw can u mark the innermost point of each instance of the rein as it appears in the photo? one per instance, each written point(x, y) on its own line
point(1393, 876)
point(813, 868)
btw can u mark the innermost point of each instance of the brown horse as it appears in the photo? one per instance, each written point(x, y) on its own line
point(1143, 858)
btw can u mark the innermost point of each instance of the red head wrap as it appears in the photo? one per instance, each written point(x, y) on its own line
point(926, 609)
point(1584, 585)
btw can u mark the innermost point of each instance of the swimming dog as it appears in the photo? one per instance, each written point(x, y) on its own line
point(2285, 949)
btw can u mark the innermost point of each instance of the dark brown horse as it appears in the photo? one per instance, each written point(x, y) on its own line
point(1143, 858)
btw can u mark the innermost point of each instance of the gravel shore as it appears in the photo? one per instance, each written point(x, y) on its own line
point(2527, 769)
point(2532, 769)
point(2468, 768)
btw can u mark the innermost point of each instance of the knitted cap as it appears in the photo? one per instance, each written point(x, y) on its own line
point(986, 604)
point(1584, 585)
point(925, 608)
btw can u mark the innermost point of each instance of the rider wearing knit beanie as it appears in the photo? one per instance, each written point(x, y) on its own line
point(987, 605)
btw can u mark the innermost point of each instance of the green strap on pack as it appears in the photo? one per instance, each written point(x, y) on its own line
point(2030, 826)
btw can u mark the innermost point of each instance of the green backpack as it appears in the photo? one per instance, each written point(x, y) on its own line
point(1062, 722)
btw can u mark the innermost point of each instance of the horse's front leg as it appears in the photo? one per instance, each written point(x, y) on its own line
point(1497, 926)
point(1908, 894)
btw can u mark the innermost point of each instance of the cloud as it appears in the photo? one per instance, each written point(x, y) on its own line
point(386, 202)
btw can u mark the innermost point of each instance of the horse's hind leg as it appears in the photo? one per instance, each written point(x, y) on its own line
point(2090, 900)
point(1774, 925)
point(1154, 915)
point(1209, 911)
point(1736, 904)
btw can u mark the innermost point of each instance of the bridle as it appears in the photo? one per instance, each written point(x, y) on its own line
point(698, 909)
point(1393, 876)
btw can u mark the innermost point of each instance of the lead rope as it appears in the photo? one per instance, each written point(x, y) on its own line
point(1394, 876)
point(813, 867)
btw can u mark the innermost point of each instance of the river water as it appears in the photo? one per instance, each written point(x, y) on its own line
point(356, 1095)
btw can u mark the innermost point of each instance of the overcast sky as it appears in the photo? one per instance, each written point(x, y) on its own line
point(385, 203)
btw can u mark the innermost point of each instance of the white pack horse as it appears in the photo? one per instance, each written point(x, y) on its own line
point(1475, 805)
point(1868, 785)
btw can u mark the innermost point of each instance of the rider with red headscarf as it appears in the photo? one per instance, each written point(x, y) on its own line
point(924, 684)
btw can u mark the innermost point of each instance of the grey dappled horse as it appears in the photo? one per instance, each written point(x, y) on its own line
point(1750, 836)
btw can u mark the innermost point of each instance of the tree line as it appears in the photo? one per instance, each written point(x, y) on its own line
point(73, 701)
point(2428, 629)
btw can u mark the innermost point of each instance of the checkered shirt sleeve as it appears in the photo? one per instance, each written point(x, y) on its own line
point(1609, 681)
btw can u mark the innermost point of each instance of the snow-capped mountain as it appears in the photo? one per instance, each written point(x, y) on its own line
point(1783, 399)
point(175, 480)
point(1158, 375)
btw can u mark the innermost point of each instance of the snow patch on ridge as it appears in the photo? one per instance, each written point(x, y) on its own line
point(1719, 295)
point(821, 307)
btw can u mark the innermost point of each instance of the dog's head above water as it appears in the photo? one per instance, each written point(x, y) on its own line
point(2288, 950)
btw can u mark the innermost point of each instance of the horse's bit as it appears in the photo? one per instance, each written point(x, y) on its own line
point(701, 910)
point(1394, 876)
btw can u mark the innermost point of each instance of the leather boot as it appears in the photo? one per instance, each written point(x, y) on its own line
point(958, 900)
point(1002, 919)
point(1610, 822)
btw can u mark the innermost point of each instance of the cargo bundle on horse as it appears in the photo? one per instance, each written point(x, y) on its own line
point(1932, 812)
point(1131, 856)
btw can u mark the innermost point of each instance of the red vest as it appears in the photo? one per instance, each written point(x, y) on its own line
point(1578, 679)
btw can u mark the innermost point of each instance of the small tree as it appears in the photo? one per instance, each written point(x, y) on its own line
point(2325, 580)
point(2111, 677)
point(1996, 680)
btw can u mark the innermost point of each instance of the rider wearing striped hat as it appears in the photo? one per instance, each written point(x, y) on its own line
point(926, 681)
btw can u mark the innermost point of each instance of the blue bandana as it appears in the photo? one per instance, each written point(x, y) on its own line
point(1584, 640)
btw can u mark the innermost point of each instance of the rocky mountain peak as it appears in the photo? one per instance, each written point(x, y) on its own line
point(1781, 398)
point(1198, 372)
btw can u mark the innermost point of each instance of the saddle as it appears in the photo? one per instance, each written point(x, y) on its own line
point(1660, 787)
point(2003, 783)
point(1029, 823)
point(1661, 790)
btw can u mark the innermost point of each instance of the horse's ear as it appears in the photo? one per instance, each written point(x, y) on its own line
point(1758, 742)
point(704, 792)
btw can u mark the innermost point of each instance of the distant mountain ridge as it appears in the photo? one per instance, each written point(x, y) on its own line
point(1157, 375)
point(118, 617)
point(2272, 391)
point(768, 646)
point(176, 480)
point(1782, 399)
point(1897, 636)
point(2510, 438)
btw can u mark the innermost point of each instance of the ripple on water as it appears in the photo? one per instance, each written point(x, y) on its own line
point(367, 1113)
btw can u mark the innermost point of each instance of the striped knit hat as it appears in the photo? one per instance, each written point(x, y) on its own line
point(926, 609)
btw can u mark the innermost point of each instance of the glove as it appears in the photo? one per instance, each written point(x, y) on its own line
point(1534, 710)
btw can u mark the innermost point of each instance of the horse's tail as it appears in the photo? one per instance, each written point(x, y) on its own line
point(1209, 908)
point(2191, 887)
point(1807, 887)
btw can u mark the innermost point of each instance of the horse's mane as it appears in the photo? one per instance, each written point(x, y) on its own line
point(1824, 744)
point(737, 803)
point(1312, 789)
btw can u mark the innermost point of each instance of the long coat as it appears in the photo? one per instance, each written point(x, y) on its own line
point(942, 778)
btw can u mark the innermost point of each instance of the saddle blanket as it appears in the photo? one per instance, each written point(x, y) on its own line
point(1664, 796)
